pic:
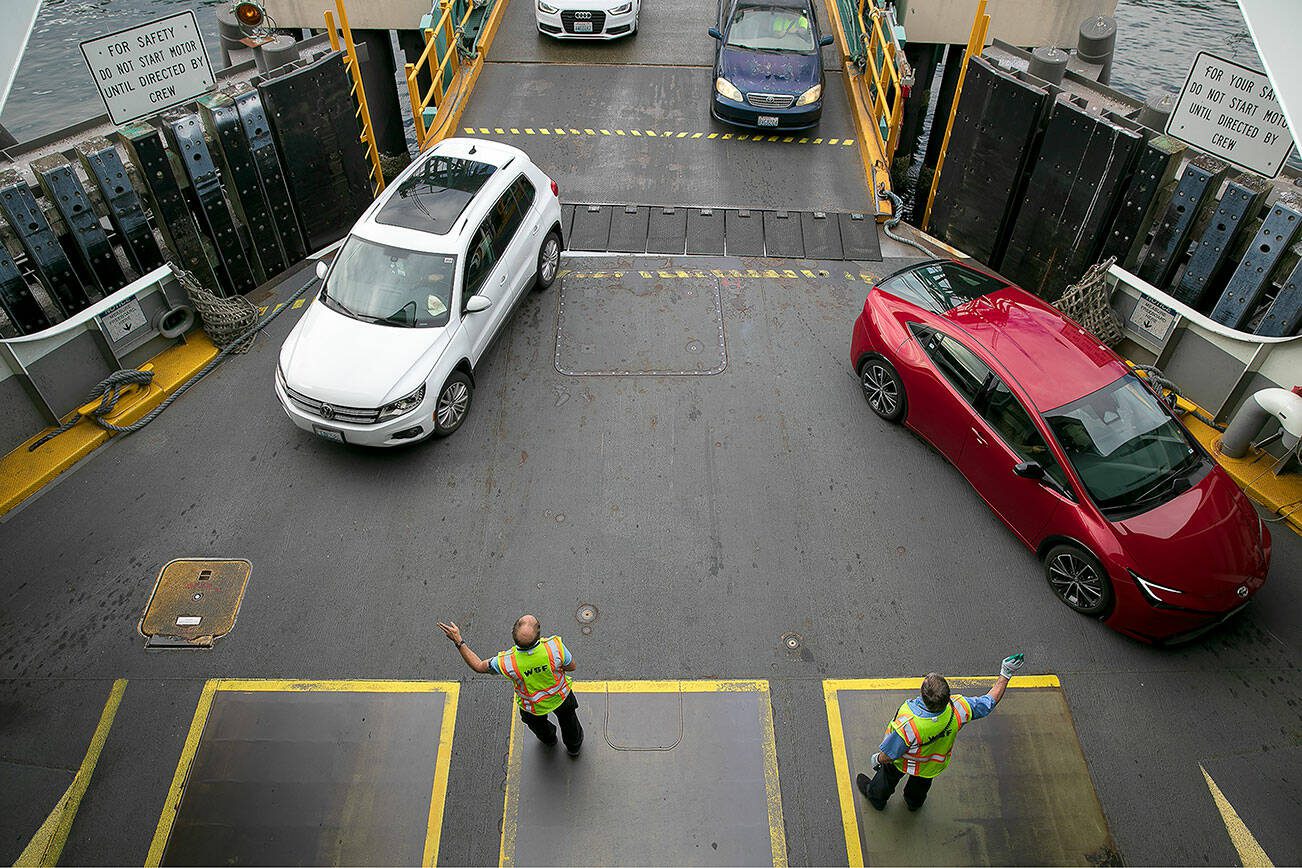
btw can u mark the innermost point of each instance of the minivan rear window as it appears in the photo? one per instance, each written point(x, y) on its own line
point(432, 198)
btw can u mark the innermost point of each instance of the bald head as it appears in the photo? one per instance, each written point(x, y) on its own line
point(526, 630)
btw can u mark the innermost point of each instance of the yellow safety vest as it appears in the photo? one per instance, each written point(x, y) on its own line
point(540, 683)
point(929, 741)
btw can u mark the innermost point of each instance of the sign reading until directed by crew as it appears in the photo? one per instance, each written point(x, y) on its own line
point(151, 67)
point(1230, 111)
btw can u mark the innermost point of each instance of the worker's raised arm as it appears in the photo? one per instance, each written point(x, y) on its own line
point(1010, 665)
point(453, 632)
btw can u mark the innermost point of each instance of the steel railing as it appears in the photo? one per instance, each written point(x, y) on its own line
point(343, 35)
point(442, 60)
point(885, 70)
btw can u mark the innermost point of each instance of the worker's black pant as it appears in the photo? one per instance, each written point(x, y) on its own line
point(888, 778)
point(567, 714)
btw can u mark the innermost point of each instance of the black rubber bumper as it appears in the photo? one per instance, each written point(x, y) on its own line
point(742, 115)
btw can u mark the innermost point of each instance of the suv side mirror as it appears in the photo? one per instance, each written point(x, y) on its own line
point(714, 32)
point(1029, 470)
point(826, 40)
point(476, 303)
point(321, 269)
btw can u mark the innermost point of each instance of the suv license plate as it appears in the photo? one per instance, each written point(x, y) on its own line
point(768, 121)
point(332, 436)
point(582, 26)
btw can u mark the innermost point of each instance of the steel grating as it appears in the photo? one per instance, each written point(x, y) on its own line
point(194, 602)
point(186, 136)
point(1251, 279)
point(618, 328)
point(44, 252)
point(1195, 190)
point(222, 121)
point(103, 165)
point(1071, 196)
point(88, 239)
point(319, 140)
point(171, 214)
point(1238, 206)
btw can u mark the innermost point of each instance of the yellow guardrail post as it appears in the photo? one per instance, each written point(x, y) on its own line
point(363, 112)
point(976, 41)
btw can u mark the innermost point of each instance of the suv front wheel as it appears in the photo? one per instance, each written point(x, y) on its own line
point(453, 404)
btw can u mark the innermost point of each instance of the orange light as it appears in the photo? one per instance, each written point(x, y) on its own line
point(249, 14)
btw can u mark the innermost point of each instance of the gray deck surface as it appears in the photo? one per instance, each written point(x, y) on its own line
point(703, 516)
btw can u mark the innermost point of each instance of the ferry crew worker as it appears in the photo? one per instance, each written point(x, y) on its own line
point(536, 667)
point(920, 739)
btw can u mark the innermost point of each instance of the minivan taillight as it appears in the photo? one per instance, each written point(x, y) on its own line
point(556, 190)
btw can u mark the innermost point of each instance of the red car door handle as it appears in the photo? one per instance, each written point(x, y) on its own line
point(981, 441)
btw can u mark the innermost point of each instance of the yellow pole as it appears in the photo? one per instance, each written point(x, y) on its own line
point(975, 43)
point(417, 115)
point(368, 134)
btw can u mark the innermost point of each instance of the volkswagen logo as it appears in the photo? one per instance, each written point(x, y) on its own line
point(1242, 592)
point(327, 412)
point(586, 16)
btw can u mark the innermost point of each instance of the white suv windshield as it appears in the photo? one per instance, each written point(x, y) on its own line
point(390, 285)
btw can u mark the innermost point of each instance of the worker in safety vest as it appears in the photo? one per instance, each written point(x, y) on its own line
point(536, 666)
point(920, 740)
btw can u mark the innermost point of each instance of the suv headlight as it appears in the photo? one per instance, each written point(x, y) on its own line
point(403, 405)
point(810, 95)
point(725, 87)
point(547, 8)
point(622, 9)
point(1153, 591)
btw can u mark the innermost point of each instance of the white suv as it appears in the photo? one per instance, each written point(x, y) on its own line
point(386, 354)
point(587, 19)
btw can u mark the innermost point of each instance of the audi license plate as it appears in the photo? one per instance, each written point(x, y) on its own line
point(768, 121)
point(332, 436)
point(582, 26)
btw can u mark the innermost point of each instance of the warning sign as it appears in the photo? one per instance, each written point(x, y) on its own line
point(1231, 112)
point(151, 67)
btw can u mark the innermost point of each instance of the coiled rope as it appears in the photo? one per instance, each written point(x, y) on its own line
point(110, 389)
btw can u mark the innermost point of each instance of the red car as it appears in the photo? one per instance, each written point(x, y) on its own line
point(1134, 522)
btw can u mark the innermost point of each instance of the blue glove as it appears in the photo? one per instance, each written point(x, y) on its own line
point(1011, 664)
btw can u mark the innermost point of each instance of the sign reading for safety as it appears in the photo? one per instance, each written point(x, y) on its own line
point(1231, 112)
point(145, 69)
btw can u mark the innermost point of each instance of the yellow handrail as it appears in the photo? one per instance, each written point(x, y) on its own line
point(438, 68)
point(355, 73)
point(976, 42)
point(883, 73)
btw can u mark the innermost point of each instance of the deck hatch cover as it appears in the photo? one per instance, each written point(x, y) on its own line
point(194, 602)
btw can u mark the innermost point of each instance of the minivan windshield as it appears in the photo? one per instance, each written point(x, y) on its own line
point(771, 28)
point(390, 286)
point(1128, 451)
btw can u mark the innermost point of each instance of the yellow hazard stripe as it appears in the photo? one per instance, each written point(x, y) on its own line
point(690, 135)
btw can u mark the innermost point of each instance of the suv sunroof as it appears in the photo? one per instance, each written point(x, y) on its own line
point(433, 198)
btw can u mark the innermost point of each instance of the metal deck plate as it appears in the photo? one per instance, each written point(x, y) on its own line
point(611, 326)
point(1017, 791)
point(195, 601)
point(672, 773)
point(284, 773)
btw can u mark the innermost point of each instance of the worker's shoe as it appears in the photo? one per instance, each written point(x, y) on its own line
point(574, 751)
point(551, 743)
point(861, 781)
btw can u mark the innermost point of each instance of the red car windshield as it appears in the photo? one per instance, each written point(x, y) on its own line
point(1127, 449)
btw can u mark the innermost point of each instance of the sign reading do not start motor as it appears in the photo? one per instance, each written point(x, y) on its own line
point(1230, 112)
point(151, 67)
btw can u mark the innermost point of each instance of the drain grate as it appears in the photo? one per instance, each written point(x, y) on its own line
point(194, 602)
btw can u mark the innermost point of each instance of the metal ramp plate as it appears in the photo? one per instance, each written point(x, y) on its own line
point(667, 231)
point(672, 773)
point(628, 229)
point(782, 235)
point(194, 602)
point(628, 326)
point(745, 232)
point(1017, 791)
point(705, 231)
point(300, 773)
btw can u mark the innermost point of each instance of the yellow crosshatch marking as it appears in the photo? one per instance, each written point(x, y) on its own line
point(434, 827)
point(772, 786)
point(750, 273)
point(840, 750)
point(663, 134)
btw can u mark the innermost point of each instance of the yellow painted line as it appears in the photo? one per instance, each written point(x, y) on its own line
point(1250, 852)
point(510, 810)
point(588, 131)
point(470, 130)
point(619, 132)
point(298, 302)
point(544, 131)
point(483, 130)
point(651, 133)
point(786, 140)
point(840, 750)
point(499, 130)
point(514, 131)
point(528, 132)
point(833, 141)
point(605, 132)
point(697, 135)
point(47, 845)
point(803, 142)
point(438, 795)
point(24, 473)
point(560, 132)
point(681, 135)
point(712, 136)
point(772, 787)
point(635, 132)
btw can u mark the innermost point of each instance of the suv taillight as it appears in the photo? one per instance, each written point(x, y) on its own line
point(556, 190)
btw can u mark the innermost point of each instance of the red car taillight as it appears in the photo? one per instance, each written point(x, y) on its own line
point(556, 190)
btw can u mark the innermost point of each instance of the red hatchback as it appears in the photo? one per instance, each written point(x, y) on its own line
point(1133, 520)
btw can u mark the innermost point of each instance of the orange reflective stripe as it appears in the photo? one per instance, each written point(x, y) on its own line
point(962, 710)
